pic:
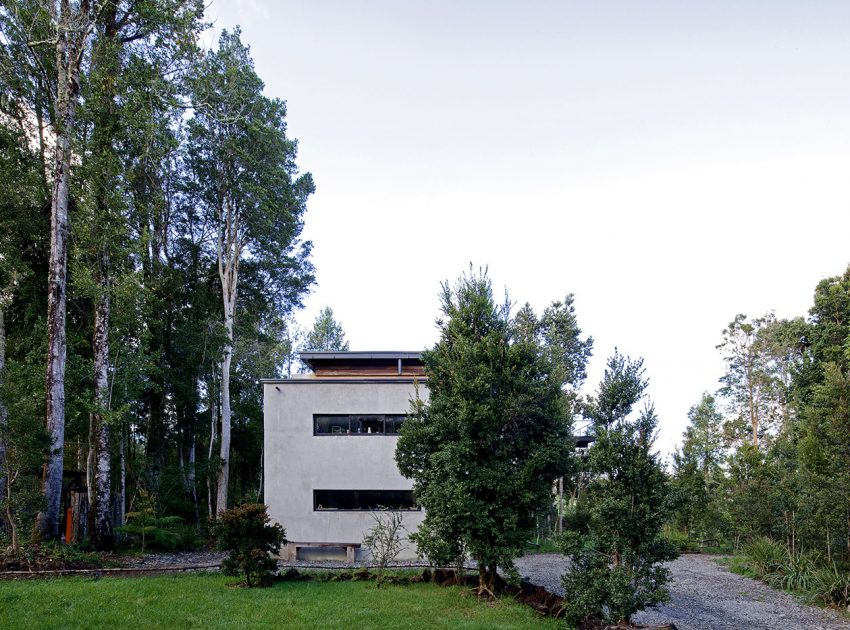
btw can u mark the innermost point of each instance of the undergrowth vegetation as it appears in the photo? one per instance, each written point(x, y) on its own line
point(804, 572)
point(52, 556)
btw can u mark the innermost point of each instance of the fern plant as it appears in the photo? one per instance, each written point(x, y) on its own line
point(146, 526)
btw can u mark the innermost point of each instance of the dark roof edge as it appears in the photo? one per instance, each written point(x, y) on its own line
point(325, 381)
point(338, 354)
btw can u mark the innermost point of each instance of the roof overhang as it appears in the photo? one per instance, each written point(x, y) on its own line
point(314, 356)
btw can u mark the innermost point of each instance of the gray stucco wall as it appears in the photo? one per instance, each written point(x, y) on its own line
point(297, 462)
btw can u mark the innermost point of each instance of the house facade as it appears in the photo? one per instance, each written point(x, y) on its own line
point(329, 448)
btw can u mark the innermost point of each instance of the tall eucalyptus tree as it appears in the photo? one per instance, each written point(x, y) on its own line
point(243, 167)
point(53, 40)
point(128, 36)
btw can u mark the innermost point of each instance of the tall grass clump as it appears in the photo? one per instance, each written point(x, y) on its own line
point(831, 586)
point(765, 556)
point(799, 571)
point(796, 573)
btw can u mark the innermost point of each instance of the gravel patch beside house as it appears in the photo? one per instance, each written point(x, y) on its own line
point(183, 559)
point(706, 596)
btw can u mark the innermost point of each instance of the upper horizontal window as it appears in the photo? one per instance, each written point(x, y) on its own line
point(364, 424)
point(364, 500)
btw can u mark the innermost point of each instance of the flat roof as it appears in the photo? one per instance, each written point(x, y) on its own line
point(310, 380)
point(312, 355)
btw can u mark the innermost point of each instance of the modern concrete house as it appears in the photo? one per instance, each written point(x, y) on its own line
point(329, 448)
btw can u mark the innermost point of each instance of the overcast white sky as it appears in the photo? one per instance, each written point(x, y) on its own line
point(671, 163)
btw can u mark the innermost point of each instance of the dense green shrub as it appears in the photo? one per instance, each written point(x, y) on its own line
point(246, 533)
point(598, 590)
point(678, 539)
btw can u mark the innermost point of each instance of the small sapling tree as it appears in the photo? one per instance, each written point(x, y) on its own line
point(250, 539)
point(384, 540)
point(146, 526)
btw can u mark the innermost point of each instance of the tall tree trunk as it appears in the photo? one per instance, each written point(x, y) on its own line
point(11, 523)
point(224, 451)
point(193, 481)
point(122, 498)
point(103, 485)
point(90, 456)
point(559, 524)
point(754, 419)
point(105, 67)
point(4, 417)
point(193, 485)
point(213, 397)
point(262, 470)
point(68, 69)
point(229, 253)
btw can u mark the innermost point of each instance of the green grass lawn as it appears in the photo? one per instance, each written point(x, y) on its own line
point(206, 601)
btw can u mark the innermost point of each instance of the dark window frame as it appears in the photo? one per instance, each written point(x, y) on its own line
point(416, 507)
point(352, 417)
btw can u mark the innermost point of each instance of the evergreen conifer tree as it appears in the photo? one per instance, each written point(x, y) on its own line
point(616, 558)
point(484, 450)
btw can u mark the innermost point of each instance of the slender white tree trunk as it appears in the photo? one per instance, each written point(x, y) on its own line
point(56, 341)
point(103, 485)
point(213, 397)
point(229, 252)
point(224, 451)
point(193, 485)
point(262, 470)
point(73, 26)
point(4, 418)
point(122, 501)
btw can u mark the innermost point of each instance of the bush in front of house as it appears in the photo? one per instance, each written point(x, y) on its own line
point(384, 540)
point(250, 539)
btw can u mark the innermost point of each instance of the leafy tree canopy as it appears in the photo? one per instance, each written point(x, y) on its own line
point(326, 334)
point(616, 556)
point(484, 449)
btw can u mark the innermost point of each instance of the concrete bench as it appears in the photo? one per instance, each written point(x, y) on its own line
point(291, 549)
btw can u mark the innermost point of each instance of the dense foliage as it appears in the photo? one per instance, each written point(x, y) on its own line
point(251, 541)
point(177, 154)
point(769, 468)
point(326, 333)
point(617, 551)
point(485, 448)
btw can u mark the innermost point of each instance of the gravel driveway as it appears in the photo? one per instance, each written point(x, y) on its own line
point(706, 596)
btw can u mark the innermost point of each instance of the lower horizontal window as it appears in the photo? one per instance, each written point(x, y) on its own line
point(363, 500)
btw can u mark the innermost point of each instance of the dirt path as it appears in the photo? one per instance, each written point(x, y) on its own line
point(706, 596)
